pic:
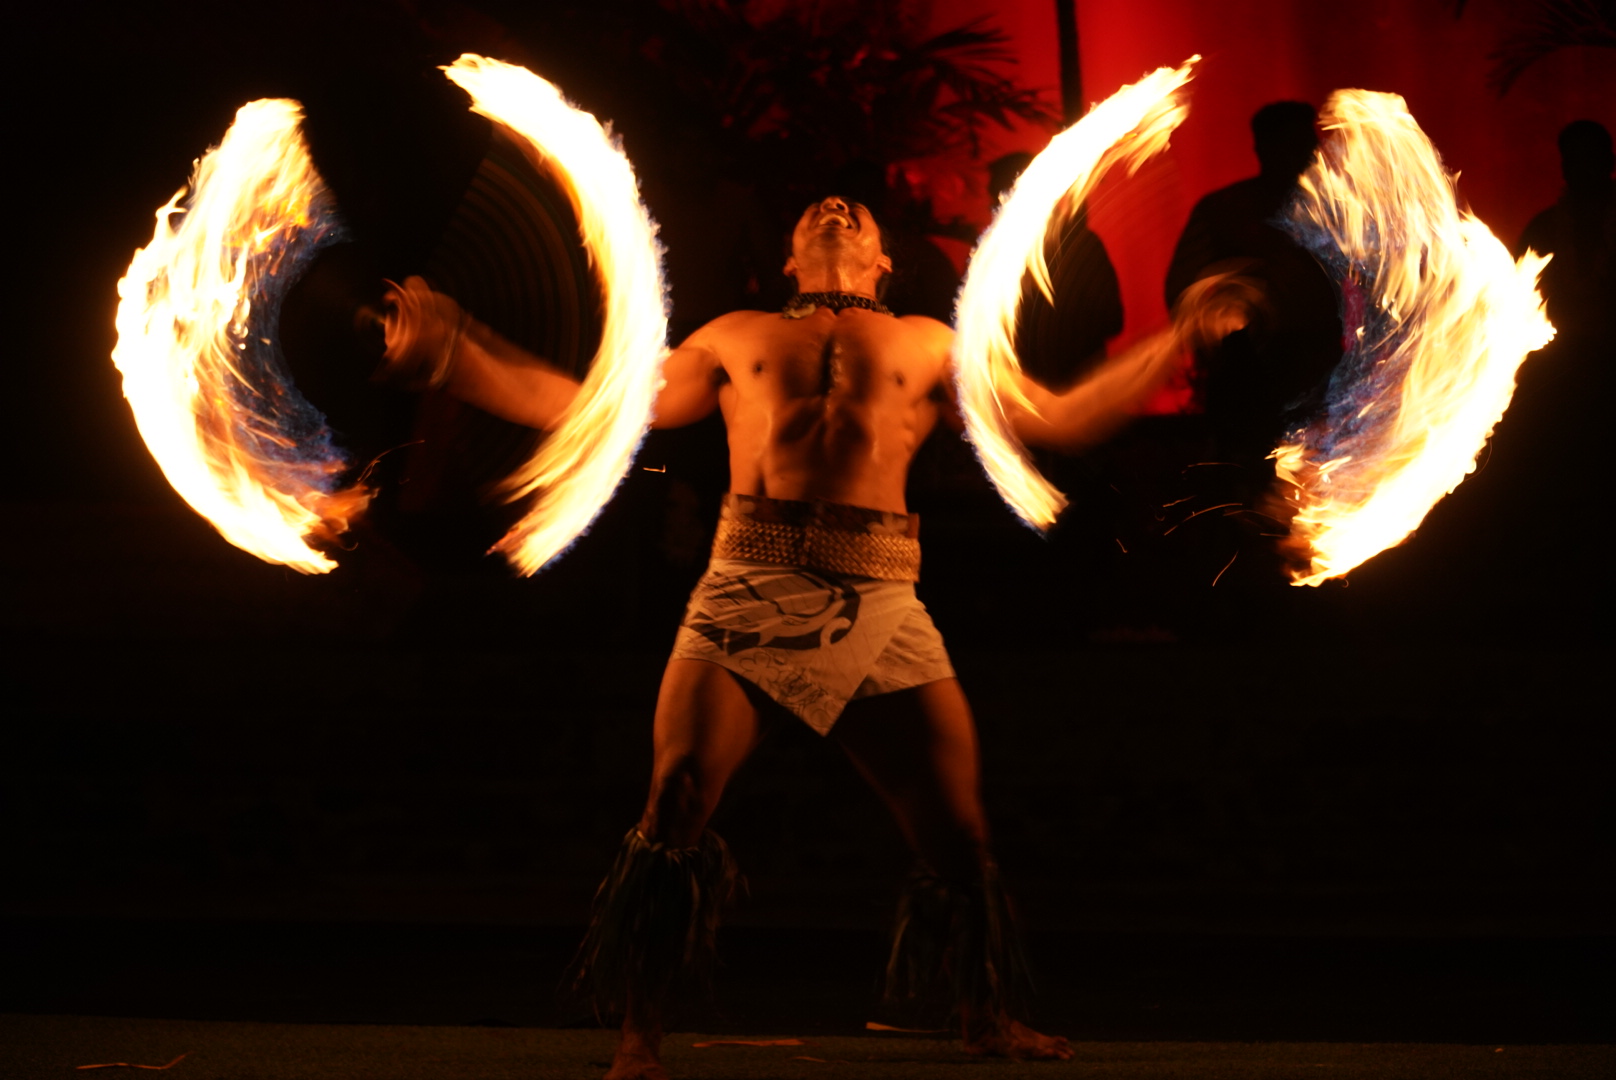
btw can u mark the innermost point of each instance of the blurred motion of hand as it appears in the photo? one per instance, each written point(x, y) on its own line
point(1216, 306)
point(423, 329)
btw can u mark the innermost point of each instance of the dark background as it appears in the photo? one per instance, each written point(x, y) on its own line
point(1380, 809)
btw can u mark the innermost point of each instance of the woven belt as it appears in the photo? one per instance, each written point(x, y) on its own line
point(822, 540)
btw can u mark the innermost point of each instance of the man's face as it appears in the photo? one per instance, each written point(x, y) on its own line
point(836, 229)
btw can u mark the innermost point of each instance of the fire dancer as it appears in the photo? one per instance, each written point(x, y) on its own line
point(808, 605)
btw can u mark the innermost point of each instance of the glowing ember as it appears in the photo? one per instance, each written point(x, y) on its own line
point(1447, 319)
point(586, 456)
point(201, 368)
point(1127, 127)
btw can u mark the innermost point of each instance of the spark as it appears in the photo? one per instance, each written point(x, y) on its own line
point(1198, 513)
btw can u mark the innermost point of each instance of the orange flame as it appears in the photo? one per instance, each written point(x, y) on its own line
point(579, 465)
point(1449, 319)
point(1127, 128)
point(185, 325)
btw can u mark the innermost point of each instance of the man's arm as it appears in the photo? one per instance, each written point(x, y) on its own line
point(1093, 410)
point(506, 380)
point(691, 377)
point(433, 343)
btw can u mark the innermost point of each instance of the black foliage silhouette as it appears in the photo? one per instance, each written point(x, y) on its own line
point(1541, 27)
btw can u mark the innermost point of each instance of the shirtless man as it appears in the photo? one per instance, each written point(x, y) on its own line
point(825, 406)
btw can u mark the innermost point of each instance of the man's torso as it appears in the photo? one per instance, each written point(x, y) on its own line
point(831, 406)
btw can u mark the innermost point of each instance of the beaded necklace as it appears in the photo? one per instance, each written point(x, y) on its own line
point(803, 304)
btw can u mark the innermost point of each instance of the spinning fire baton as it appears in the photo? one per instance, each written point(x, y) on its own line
point(212, 396)
point(1438, 319)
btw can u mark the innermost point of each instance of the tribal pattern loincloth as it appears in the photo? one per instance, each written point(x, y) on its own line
point(810, 637)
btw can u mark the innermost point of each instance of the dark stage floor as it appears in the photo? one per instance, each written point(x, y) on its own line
point(48, 1046)
point(291, 1000)
point(1093, 987)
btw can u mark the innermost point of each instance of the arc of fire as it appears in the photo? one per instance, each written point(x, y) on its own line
point(201, 370)
point(1125, 129)
point(1429, 368)
point(574, 472)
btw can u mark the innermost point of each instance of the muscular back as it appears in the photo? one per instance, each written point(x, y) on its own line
point(832, 406)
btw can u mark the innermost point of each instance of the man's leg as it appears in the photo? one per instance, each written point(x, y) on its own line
point(918, 749)
point(707, 723)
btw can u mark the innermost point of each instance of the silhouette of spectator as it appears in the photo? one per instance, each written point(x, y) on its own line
point(1558, 411)
point(1248, 385)
point(1579, 230)
point(1058, 343)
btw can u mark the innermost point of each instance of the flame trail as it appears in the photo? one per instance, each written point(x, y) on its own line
point(1126, 128)
point(1447, 319)
point(201, 369)
point(581, 462)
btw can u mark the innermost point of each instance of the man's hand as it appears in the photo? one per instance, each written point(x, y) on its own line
point(1216, 306)
point(424, 329)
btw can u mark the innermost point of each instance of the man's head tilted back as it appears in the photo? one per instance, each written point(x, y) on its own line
point(837, 246)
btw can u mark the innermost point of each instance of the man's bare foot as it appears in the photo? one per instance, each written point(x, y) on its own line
point(1013, 1039)
point(638, 1057)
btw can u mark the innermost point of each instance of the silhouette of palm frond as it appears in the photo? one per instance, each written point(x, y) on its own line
point(1545, 26)
point(815, 85)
